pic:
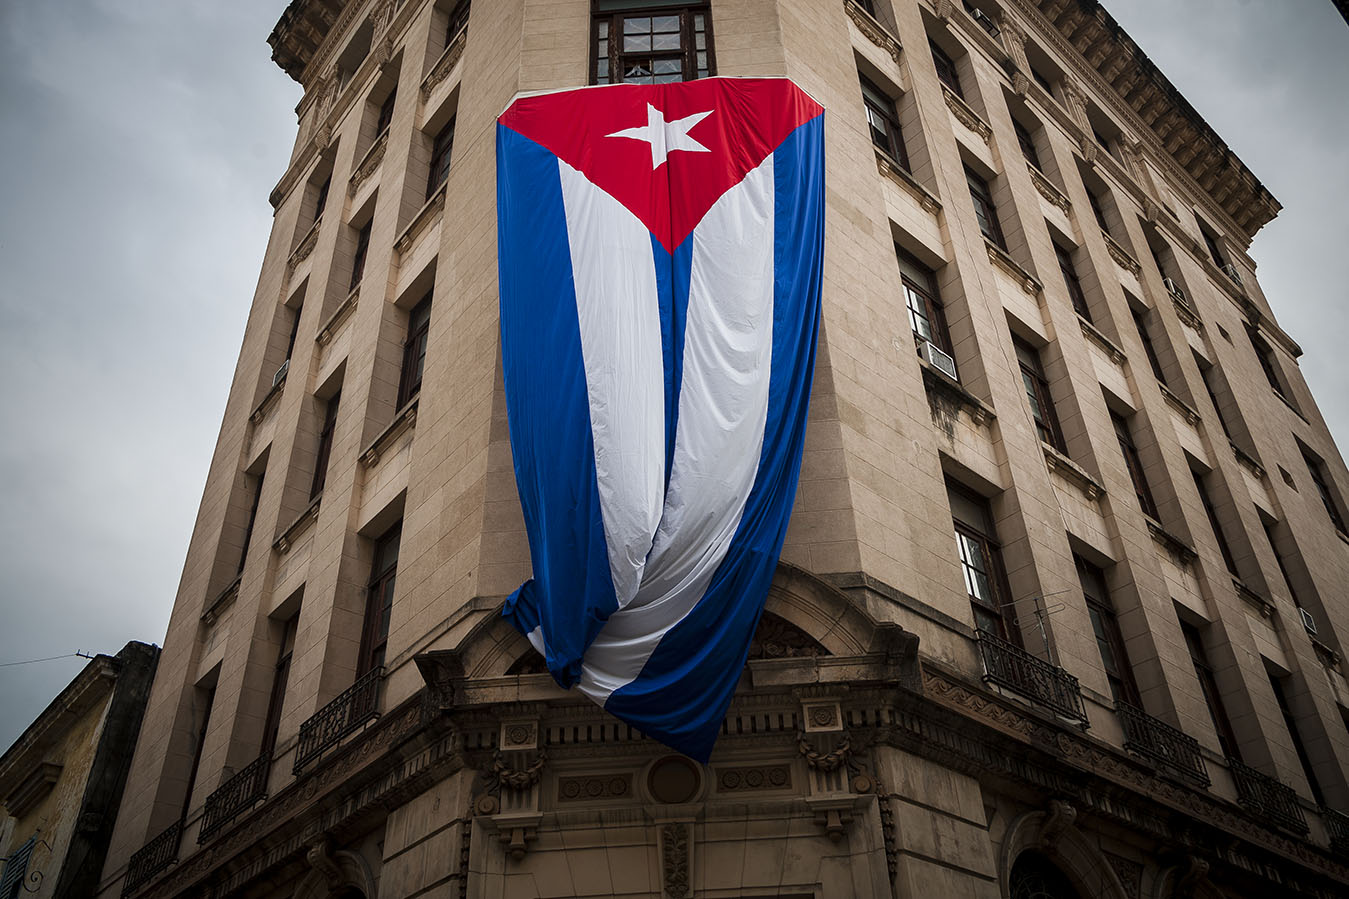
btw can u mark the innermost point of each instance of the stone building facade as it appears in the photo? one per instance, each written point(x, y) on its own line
point(1059, 608)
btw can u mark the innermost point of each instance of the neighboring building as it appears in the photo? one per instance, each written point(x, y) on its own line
point(61, 782)
point(1061, 606)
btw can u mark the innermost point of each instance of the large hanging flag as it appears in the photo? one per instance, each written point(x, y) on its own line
point(660, 249)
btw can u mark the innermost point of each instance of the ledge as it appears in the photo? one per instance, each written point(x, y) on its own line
point(1070, 470)
point(1264, 606)
point(373, 157)
point(980, 412)
point(1095, 336)
point(1179, 550)
point(403, 421)
point(1289, 403)
point(1048, 189)
point(1185, 312)
point(966, 116)
point(448, 60)
point(1175, 402)
point(222, 602)
point(255, 417)
point(1328, 656)
point(306, 246)
point(874, 30)
point(890, 169)
point(339, 315)
point(1248, 461)
point(297, 527)
point(1120, 255)
point(422, 220)
point(1003, 260)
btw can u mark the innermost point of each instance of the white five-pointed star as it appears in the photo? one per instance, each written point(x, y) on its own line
point(665, 137)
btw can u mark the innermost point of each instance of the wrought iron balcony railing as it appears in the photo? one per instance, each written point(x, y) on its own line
point(1011, 667)
point(1163, 745)
point(352, 708)
point(1337, 825)
point(152, 858)
point(1266, 797)
point(238, 794)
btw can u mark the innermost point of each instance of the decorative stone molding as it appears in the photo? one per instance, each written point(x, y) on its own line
point(873, 30)
point(373, 157)
point(1059, 816)
point(1129, 872)
point(448, 60)
point(944, 9)
point(402, 422)
point(822, 716)
point(1094, 334)
point(222, 602)
point(824, 761)
point(752, 779)
point(519, 734)
point(1185, 312)
point(1175, 402)
point(518, 779)
point(1247, 461)
point(306, 246)
point(298, 526)
point(1253, 599)
point(1327, 655)
point(340, 314)
point(947, 397)
point(1003, 260)
point(675, 859)
point(1060, 464)
point(887, 167)
point(1121, 256)
point(965, 115)
point(421, 221)
point(256, 416)
point(1091, 151)
point(1178, 549)
point(600, 786)
point(1048, 189)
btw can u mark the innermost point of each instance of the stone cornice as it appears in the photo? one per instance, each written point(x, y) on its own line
point(1048, 189)
point(1003, 260)
point(422, 220)
point(887, 167)
point(373, 157)
point(1094, 334)
point(1178, 549)
point(402, 422)
point(966, 115)
point(873, 30)
point(1186, 411)
point(1121, 255)
point(306, 246)
point(297, 527)
point(448, 60)
point(1056, 461)
point(339, 315)
point(222, 601)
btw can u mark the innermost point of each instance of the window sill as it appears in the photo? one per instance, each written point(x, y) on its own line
point(873, 30)
point(1185, 312)
point(892, 170)
point(339, 315)
point(1248, 461)
point(298, 526)
point(1070, 470)
point(1264, 606)
point(966, 115)
point(255, 417)
point(1191, 416)
point(448, 60)
point(1003, 260)
point(1048, 189)
point(938, 381)
point(1289, 403)
point(403, 421)
point(301, 252)
point(222, 602)
point(1121, 256)
point(1093, 334)
point(1178, 549)
point(422, 220)
point(373, 157)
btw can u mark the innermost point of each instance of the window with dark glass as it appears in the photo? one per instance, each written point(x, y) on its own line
point(294, 331)
point(456, 22)
point(1295, 734)
point(1212, 243)
point(1105, 626)
point(651, 42)
point(325, 448)
point(1228, 559)
point(1278, 558)
point(385, 112)
point(981, 563)
point(252, 518)
point(1148, 348)
point(946, 69)
point(869, 6)
point(1100, 138)
point(1042, 80)
point(1097, 210)
point(883, 124)
point(1206, 375)
point(1264, 354)
point(927, 317)
point(1134, 464)
point(206, 696)
point(1026, 142)
point(984, 210)
point(1037, 394)
point(1208, 685)
point(1323, 489)
point(1075, 292)
point(358, 259)
point(379, 601)
point(280, 679)
point(414, 351)
point(441, 147)
point(321, 198)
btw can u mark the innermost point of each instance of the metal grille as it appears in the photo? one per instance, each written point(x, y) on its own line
point(1337, 825)
point(1162, 744)
point(1044, 684)
point(152, 858)
point(1264, 796)
point(238, 794)
point(350, 710)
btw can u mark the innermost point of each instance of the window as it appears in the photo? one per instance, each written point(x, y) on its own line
point(385, 113)
point(1042, 80)
point(321, 199)
point(379, 601)
point(325, 445)
point(981, 562)
point(16, 869)
point(1208, 685)
point(1280, 696)
point(927, 317)
point(252, 518)
point(1135, 466)
point(984, 20)
point(207, 698)
point(1100, 138)
point(883, 124)
point(458, 20)
point(440, 159)
point(1206, 375)
point(1218, 534)
point(414, 351)
point(358, 260)
point(984, 210)
point(294, 331)
point(1264, 354)
point(1109, 640)
point(1278, 558)
point(1148, 349)
point(1212, 243)
point(1097, 210)
point(280, 679)
point(638, 44)
point(1037, 394)
point(1027, 143)
point(1075, 292)
point(869, 6)
point(946, 69)
point(1318, 472)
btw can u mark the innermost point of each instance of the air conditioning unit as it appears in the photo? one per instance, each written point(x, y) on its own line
point(939, 358)
point(985, 21)
point(1173, 288)
point(1230, 271)
point(1308, 622)
point(281, 373)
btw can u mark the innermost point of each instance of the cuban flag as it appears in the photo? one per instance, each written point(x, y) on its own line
point(660, 251)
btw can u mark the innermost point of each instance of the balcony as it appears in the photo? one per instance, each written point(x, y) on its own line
point(1014, 669)
point(1337, 826)
point(152, 858)
point(238, 794)
point(1161, 744)
point(355, 706)
point(1267, 798)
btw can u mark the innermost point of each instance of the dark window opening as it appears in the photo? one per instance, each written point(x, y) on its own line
point(441, 147)
point(325, 447)
point(981, 564)
point(379, 601)
point(1264, 354)
point(385, 113)
point(252, 518)
point(1148, 348)
point(321, 199)
point(1323, 489)
point(1035, 877)
point(651, 46)
point(946, 69)
point(1208, 684)
point(984, 209)
point(1027, 143)
point(1037, 395)
point(927, 316)
point(1212, 243)
point(1042, 80)
point(1109, 640)
point(358, 260)
point(1135, 466)
point(1205, 375)
point(1228, 559)
point(294, 331)
point(457, 21)
point(1075, 292)
point(208, 702)
point(1294, 734)
point(414, 351)
point(280, 679)
point(883, 124)
point(1097, 210)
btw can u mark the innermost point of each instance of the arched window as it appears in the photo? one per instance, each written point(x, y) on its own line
point(1035, 877)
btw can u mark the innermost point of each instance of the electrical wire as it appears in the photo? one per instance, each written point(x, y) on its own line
point(70, 655)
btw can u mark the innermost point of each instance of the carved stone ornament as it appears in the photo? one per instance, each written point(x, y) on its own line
point(887, 167)
point(599, 786)
point(373, 157)
point(777, 638)
point(518, 778)
point(1129, 872)
point(1121, 256)
point(322, 136)
point(873, 30)
point(1002, 260)
point(1048, 190)
point(448, 60)
point(1020, 84)
point(826, 761)
point(306, 246)
point(674, 856)
point(764, 777)
point(965, 115)
point(320, 858)
point(1059, 817)
point(944, 9)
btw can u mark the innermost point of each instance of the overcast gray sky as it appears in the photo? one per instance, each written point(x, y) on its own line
point(141, 140)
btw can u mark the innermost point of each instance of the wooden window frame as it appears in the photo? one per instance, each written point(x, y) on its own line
point(1001, 612)
point(1075, 292)
point(1027, 144)
point(280, 681)
point(1214, 524)
point(1208, 686)
point(1134, 464)
point(1109, 639)
point(1316, 469)
point(252, 519)
point(985, 210)
point(414, 351)
point(923, 301)
point(1149, 349)
point(1041, 402)
point(947, 73)
point(379, 601)
point(608, 23)
point(881, 106)
point(358, 258)
point(325, 447)
point(385, 117)
point(456, 21)
point(442, 150)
